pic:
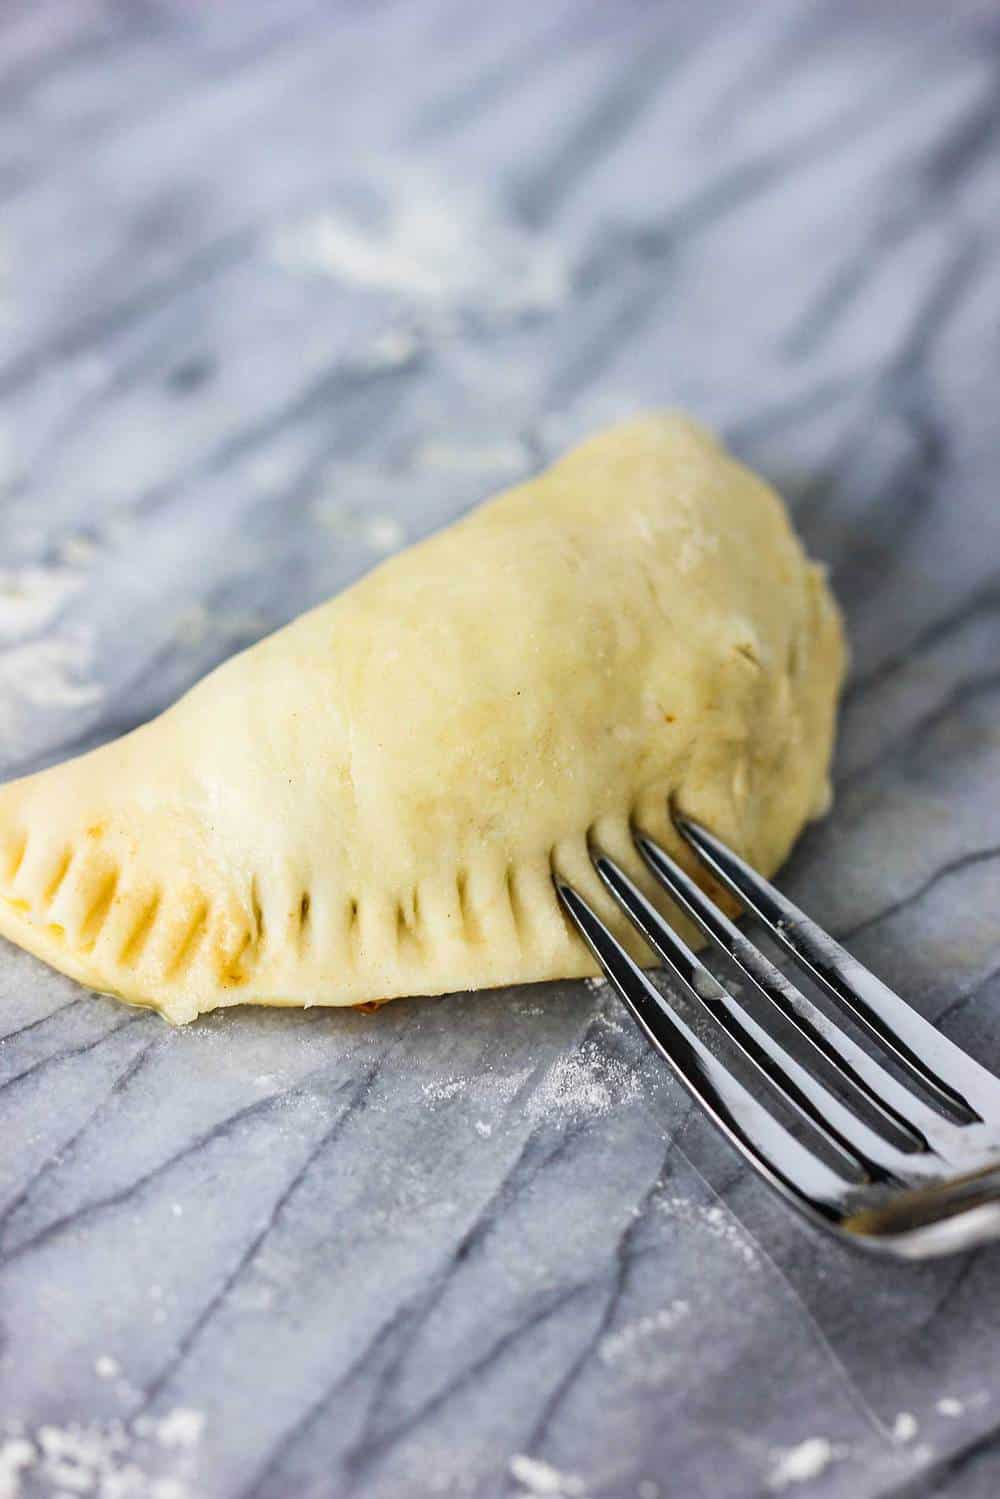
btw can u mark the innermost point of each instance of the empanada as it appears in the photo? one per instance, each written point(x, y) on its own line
point(368, 803)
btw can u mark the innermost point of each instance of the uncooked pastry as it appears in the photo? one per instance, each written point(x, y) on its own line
point(369, 803)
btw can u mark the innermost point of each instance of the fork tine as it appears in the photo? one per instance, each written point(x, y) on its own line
point(796, 1171)
point(881, 1098)
point(810, 1098)
point(950, 1076)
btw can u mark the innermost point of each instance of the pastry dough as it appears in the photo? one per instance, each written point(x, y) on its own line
point(368, 803)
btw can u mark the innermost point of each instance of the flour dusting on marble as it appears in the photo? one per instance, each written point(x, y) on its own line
point(46, 673)
point(715, 1220)
point(589, 1082)
point(441, 1092)
point(637, 1335)
point(31, 598)
point(417, 237)
point(380, 532)
point(543, 1480)
point(110, 1460)
point(802, 1463)
point(43, 665)
point(180, 1428)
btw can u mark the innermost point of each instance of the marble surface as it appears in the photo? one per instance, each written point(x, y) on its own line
point(285, 285)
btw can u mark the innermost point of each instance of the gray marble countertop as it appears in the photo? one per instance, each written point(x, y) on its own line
point(285, 285)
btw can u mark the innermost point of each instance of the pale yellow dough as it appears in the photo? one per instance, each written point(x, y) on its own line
point(369, 803)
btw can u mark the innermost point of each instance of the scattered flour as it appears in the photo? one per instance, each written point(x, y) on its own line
point(714, 1219)
point(181, 1428)
point(619, 1345)
point(589, 1082)
point(52, 672)
point(799, 1464)
point(441, 1092)
point(380, 532)
point(904, 1428)
point(111, 1461)
point(424, 242)
point(40, 665)
point(541, 1479)
point(32, 597)
point(49, 673)
point(949, 1406)
point(106, 1367)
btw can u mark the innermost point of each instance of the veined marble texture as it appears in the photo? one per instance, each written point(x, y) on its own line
point(284, 286)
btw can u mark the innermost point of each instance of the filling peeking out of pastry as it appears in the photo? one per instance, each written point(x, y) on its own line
point(370, 802)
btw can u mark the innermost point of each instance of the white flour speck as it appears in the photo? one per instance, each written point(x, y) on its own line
point(181, 1428)
point(484, 1129)
point(798, 1464)
point(540, 1478)
point(106, 1367)
point(949, 1406)
point(904, 1428)
point(383, 533)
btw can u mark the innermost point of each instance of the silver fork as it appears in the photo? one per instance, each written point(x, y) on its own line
point(905, 1162)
